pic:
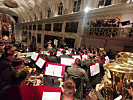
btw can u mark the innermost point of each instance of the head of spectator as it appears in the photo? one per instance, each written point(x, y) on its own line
point(17, 63)
point(77, 62)
point(19, 77)
point(130, 91)
point(68, 89)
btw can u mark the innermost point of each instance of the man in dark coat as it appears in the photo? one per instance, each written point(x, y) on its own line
point(5, 73)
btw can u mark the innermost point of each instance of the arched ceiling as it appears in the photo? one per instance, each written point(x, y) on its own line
point(26, 10)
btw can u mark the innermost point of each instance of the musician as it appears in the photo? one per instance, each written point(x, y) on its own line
point(49, 45)
point(68, 90)
point(18, 77)
point(76, 70)
point(5, 73)
point(17, 63)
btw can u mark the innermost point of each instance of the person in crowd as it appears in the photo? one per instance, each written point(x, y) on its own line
point(17, 64)
point(64, 53)
point(18, 77)
point(5, 73)
point(7, 49)
point(76, 70)
point(62, 43)
point(68, 89)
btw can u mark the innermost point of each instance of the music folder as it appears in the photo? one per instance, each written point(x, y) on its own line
point(40, 62)
point(24, 92)
point(85, 56)
point(67, 61)
point(48, 93)
point(77, 56)
point(53, 69)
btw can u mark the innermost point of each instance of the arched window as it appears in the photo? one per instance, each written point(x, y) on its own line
point(60, 9)
point(104, 3)
point(107, 2)
point(49, 12)
point(76, 6)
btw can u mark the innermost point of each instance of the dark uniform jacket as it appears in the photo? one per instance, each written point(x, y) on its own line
point(5, 73)
point(77, 71)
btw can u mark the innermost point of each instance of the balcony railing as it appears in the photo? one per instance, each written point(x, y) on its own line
point(110, 32)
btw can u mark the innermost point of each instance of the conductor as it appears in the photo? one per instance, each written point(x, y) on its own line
point(62, 43)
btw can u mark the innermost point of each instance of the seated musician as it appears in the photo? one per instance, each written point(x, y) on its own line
point(68, 90)
point(19, 77)
point(17, 63)
point(76, 70)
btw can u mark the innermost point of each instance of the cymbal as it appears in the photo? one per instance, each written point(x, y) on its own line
point(121, 68)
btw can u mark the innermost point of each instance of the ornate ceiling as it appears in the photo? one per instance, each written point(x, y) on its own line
point(27, 10)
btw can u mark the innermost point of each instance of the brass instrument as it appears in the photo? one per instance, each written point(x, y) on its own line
point(122, 71)
point(20, 54)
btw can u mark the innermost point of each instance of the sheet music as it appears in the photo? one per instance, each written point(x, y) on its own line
point(58, 71)
point(51, 96)
point(50, 70)
point(84, 56)
point(34, 56)
point(67, 61)
point(97, 69)
point(40, 62)
point(59, 53)
point(53, 70)
point(107, 60)
point(94, 69)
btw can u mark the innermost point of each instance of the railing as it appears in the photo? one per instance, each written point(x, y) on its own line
point(111, 32)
